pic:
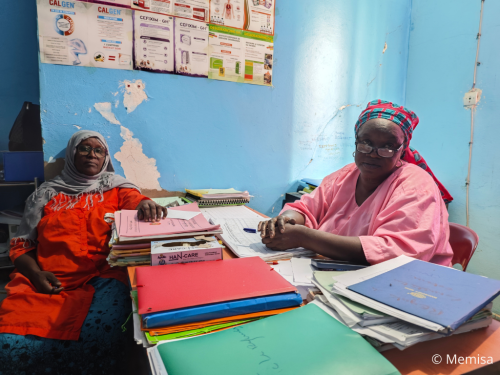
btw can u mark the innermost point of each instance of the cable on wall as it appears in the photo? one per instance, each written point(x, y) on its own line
point(472, 111)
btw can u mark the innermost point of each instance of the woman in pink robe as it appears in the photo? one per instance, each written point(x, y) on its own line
point(375, 209)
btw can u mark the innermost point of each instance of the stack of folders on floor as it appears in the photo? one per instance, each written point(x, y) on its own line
point(303, 341)
point(184, 300)
point(131, 239)
point(233, 222)
point(404, 301)
point(218, 197)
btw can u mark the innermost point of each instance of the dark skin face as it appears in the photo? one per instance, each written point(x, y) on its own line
point(374, 169)
point(89, 165)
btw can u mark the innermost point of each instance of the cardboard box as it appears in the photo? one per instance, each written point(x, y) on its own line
point(185, 250)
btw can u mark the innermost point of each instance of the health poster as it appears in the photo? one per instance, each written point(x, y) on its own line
point(153, 42)
point(157, 6)
point(192, 9)
point(226, 53)
point(62, 32)
point(260, 16)
point(259, 50)
point(120, 3)
point(229, 13)
point(110, 37)
point(191, 48)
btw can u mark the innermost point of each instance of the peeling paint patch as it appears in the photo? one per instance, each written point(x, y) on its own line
point(385, 48)
point(90, 110)
point(116, 103)
point(115, 93)
point(138, 168)
point(105, 110)
point(76, 126)
point(344, 107)
point(134, 94)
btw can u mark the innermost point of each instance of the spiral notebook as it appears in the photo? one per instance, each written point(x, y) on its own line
point(218, 197)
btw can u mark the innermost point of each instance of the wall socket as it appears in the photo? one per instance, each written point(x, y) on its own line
point(471, 98)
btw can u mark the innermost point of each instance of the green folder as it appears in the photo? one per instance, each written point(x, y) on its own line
point(302, 341)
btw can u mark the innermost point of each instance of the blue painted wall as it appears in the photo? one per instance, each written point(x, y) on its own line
point(204, 133)
point(440, 71)
point(19, 63)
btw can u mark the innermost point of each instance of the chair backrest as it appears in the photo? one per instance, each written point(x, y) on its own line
point(464, 242)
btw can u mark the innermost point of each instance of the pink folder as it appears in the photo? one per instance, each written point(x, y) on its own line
point(130, 226)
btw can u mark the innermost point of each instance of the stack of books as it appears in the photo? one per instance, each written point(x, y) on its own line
point(131, 238)
point(404, 301)
point(218, 197)
point(185, 300)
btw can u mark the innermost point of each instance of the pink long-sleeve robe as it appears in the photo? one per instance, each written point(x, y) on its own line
point(405, 215)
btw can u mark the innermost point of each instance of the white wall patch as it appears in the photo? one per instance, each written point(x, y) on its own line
point(78, 127)
point(105, 110)
point(138, 168)
point(134, 94)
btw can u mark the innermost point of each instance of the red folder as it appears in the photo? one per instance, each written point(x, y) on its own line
point(176, 286)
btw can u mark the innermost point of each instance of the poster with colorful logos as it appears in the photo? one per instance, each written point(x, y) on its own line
point(226, 54)
point(193, 9)
point(240, 56)
point(118, 3)
point(153, 42)
point(260, 17)
point(229, 13)
point(191, 48)
point(110, 37)
point(63, 32)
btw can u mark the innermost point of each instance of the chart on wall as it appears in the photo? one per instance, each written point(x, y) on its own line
point(192, 9)
point(252, 15)
point(162, 36)
point(84, 34)
point(240, 56)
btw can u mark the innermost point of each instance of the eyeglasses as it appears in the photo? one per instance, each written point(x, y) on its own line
point(383, 152)
point(99, 152)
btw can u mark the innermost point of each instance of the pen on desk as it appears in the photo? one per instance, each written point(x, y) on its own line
point(273, 262)
point(250, 230)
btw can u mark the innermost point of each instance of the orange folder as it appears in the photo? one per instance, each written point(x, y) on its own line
point(206, 323)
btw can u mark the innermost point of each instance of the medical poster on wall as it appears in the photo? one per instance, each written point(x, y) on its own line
point(192, 9)
point(226, 53)
point(153, 42)
point(120, 3)
point(229, 13)
point(259, 51)
point(261, 16)
point(240, 56)
point(191, 48)
point(62, 31)
point(110, 37)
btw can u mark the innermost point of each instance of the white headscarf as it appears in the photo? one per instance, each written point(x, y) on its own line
point(72, 184)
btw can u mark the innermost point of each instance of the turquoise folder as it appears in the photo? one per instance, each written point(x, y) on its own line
point(303, 341)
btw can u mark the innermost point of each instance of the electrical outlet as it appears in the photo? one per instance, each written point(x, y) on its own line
point(471, 98)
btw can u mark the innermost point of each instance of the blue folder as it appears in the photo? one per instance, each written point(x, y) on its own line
point(312, 181)
point(220, 310)
point(439, 294)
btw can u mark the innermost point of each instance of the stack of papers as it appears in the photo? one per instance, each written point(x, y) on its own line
point(233, 220)
point(416, 283)
point(218, 197)
point(298, 272)
point(234, 292)
point(131, 238)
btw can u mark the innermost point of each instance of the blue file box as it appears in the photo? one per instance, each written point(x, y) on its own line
point(22, 165)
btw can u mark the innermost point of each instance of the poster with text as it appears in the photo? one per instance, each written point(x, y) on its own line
point(192, 9)
point(62, 31)
point(118, 3)
point(153, 42)
point(240, 56)
point(191, 47)
point(259, 51)
point(260, 17)
point(229, 13)
point(110, 37)
point(226, 53)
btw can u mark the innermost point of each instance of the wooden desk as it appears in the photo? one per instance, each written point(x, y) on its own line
point(418, 359)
